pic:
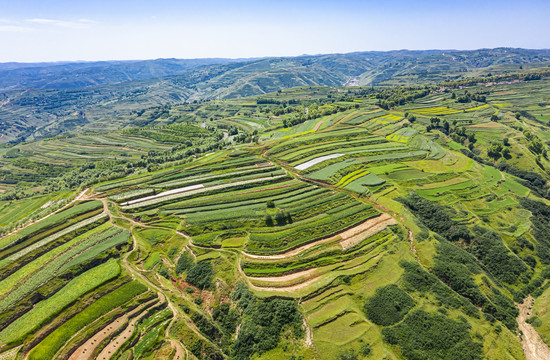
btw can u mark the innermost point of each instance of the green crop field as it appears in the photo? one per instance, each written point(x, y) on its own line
point(358, 222)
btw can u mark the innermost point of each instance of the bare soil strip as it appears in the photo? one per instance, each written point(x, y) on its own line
point(533, 346)
point(318, 125)
point(284, 278)
point(180, 353)
point(367, 229)
point(84, 352)
point(287, 289)
point(290, 253)
point(347, 238)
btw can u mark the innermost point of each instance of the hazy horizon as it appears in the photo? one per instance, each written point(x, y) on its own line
point(255, 57)
point(35, 31)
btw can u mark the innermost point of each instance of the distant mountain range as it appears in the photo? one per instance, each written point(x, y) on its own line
point(43, 99)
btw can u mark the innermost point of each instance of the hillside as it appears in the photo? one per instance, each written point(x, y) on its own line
point(46, 101)
point(310, 223)
point(19, 76)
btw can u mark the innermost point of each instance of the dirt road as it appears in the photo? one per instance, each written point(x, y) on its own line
point(533, 346)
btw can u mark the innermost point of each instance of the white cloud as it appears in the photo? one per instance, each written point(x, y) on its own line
point(15, 28)
point(78, 24)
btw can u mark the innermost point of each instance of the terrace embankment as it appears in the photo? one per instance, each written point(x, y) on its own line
point(347, 239)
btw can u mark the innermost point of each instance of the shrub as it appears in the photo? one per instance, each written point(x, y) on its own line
point(184, 263)
point(535, 321)
point(388, 305)
point(423, 335)
point(201, 275)
point(265, 320)
point(366, 349)
point(164, 273)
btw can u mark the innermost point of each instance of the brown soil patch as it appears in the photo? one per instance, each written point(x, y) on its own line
point(367, 229)
point(84, 352)
point(292, 288)
point(318, 125)
point(290, 253)
point(490, 124)
point(346, 235)
point(114, 345)
point(180, 353)
point(285, 278)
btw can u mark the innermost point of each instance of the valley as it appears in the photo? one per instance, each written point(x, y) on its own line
point(314, 222)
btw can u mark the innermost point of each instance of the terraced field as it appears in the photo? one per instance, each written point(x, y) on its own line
point(343, 234)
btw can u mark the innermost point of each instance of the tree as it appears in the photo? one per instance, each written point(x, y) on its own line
point(494, 151)
point(495, 118)
point(268, 220)
point(270, 204)
point(280, 218)
point(185, 262)
point(201, 275)
point(435, 121)
point(164, 273)
point(446, 125)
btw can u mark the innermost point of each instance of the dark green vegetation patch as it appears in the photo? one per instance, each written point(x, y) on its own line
point(388, 305)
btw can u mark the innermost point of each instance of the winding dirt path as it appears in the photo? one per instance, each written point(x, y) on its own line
point(533, 346)
point(180, 353)
point(309, 338)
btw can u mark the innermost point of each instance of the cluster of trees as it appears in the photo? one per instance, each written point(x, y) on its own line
point(535, 144)
point(314, 111)
point(534, 181)
point(436, 218)
point(264, 321)
point(499, 150)
point(455, 265)
point(541, 227)
point(284, 103)
point(388, 306)
point(456, 133)
point(488, 246)
point(525, 76)
point(417, 279)
point(200, 275)
point(469, 97)
point(424, 335)
point(400, 96)
point(281, 218)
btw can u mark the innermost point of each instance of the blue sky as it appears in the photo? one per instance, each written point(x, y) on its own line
point(58, 30)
